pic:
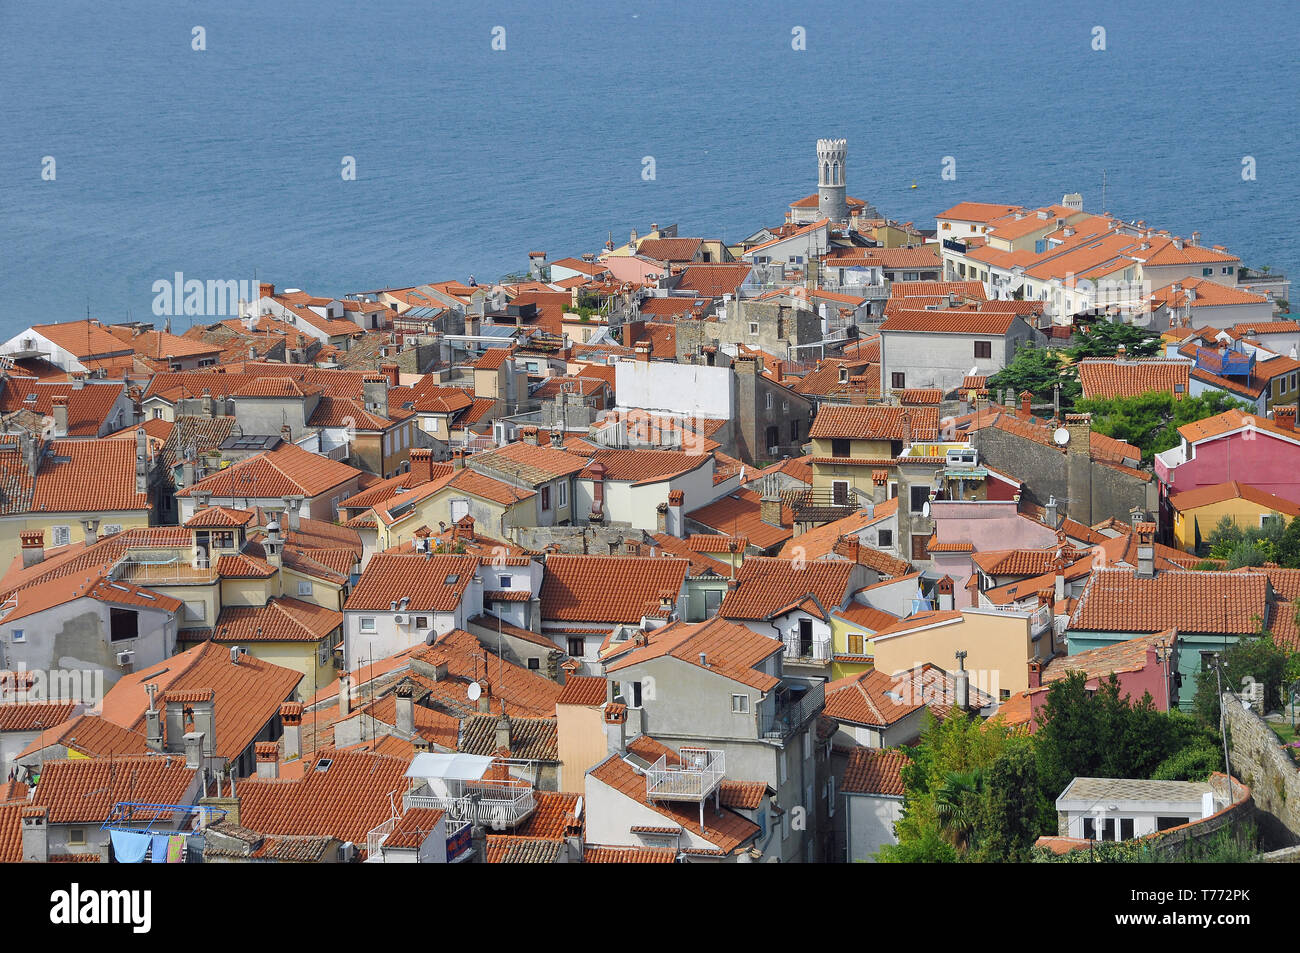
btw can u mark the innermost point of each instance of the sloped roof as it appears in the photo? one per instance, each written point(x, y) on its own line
point(768, 586)
point(610, 589)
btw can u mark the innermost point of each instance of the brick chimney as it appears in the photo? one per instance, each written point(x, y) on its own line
point(643, 352)
point(1284, 417)
point(528, 435)
point(1035, 673)
point(392, 372)
point(1025, 398)
point(421, 465)
point(268, 759)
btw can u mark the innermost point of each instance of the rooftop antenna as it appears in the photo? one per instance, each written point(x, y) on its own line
point(1103, 191)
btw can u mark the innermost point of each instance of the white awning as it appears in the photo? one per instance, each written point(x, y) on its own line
point(453, 767)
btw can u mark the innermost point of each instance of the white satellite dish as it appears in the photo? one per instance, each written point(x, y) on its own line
point(474, 691)
point(925, 510)
point(1061, 436)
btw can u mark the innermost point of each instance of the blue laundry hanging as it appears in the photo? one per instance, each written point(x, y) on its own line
point(158, 850)
point(129, 847)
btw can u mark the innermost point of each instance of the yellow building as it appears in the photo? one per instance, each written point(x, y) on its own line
point(850, 443)
point(1197, 512)
point(998, 645)
point(852, 644)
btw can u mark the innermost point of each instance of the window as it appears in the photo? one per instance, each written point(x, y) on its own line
point(304, 587)
point(1269, 520)
point(1090, 829)
point(884, 537)
point(636, 695)
point(1126, 828)
point(577, 646)
point(546, 497)
point(769, 400)
point(534, 664)
point(840, 493)
point(1004, 694)
point(368, 623)
point(112, 529)
point(782, 767)
point(421, 621)
point(504, 581)
point(76, 836)
point(753, 329)
point(984, 349)
point(1228, 270)
point(18, 635)
point(1207, 272)
point(61, 535)
point(857, 643)
point(123, 624)
point(1164, 823)
point(157, 413)
point(794, 430)
point(919, 496)
point(562, 496)
point(740, 704)
point(898, 380)
point(840, 447)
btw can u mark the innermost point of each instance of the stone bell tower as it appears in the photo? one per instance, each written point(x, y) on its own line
point(832, 193)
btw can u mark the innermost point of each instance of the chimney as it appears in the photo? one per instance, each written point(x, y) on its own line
point(345, 694)
point(91, 528)
point(643, 353)
point(879, 486)
point(961, 682)
point(557, 439)
point(207, 402)
point(268, 759)
point(1049, 512)
point(33, 547)
point(597, 493)
point(291, 719)
point(421, 465)
point(1146, 552)
point(405, 701)
point(1035, 673)
point(528, 435)
point(1025, 398)
point(503, 732)
point(374, 388)
point(484, 698)
point(78, 379)
point(291, 519)
point(141, 461)
point(286, 433)
point(1284, 417)
point(464, 528)
point(60, 413)
point(944, 589)
point(393, 373)
point(615, 727)
point(193, 749)
point(458, 459)
point(35, 837)
point(676, 507)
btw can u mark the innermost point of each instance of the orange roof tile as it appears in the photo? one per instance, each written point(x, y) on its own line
point(430, 583)
point(287, 470)
point(767, 586)
point(1118, 600)
point(609, 589)
point(875, 771)
point(84, 790)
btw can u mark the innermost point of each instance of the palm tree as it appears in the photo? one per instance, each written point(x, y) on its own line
point(957, 805)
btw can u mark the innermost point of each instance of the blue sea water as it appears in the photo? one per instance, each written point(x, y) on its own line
point(226, 162)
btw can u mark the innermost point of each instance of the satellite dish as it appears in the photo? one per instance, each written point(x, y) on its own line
point(925, 510)
point(474, 691)
point(1061, 436)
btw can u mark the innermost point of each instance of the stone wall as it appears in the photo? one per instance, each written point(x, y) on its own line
point(1260, 761)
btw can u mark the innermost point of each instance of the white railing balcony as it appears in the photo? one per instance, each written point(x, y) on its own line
point(497, 804)
point(375, 839)
point(692, 778)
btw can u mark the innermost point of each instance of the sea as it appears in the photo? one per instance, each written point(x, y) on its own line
point(348, 146)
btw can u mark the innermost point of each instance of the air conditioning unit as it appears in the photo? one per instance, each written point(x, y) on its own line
point(125, 658)
point(402, 618)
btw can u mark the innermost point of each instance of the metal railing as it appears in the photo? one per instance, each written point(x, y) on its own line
point(174, 570)
point(790, 717)
point(693, 777)
point(375, 839)
point(496, 804)
point(807, 650)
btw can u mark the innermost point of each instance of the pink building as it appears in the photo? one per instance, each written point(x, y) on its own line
point(963, 527)
point(1234, 445)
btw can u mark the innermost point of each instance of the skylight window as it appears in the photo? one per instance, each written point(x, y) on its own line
point(453, 579)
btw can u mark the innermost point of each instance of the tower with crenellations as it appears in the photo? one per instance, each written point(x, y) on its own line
point(832, 192)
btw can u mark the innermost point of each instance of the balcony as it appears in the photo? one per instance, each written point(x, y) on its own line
point(693, 776)
point(454, 783)
point(1225, 362)
point(807, 650)
point(160, 571)
point(822, 506)
point(795, 705)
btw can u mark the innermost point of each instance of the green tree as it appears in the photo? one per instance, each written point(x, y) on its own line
point(1288, 546)
point(1010, 816)
point(1150, 421)
point(1253, 657)
point(957, 803)
point(1104, 338)
point(1038, 370)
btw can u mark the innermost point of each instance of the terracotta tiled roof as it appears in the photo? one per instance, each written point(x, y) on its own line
point(740, 513)
point(282, 619)
point(88, 735)
point(766, 587)
point(85, 790)
point(730, 650)
point(489, 488)
point(248, 693)
point(1229, 421)
point(713, 280)
point(876, 771)
point(88, 406)
point(820, 541)
point(531, 739)
point(553, 816)
point(24, 716)
point(532, 464)
point(509, 849)
point(578, 690)
point(1118, 600)
point(74, 476)
point(57, 591)
point(1127, 656)
point(1219, 492)
point(430, 583)
point(983, 212)
point(1108, 379)
point(285, 471)
point(669, 249)
point(608, 589)
point(414, 827)
point(993, 323)
point(723, 828)
point(629, 855)
point(342, 794)
point(876, 423)
point(743, 795)
point(219, 517)
point(868, 617)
